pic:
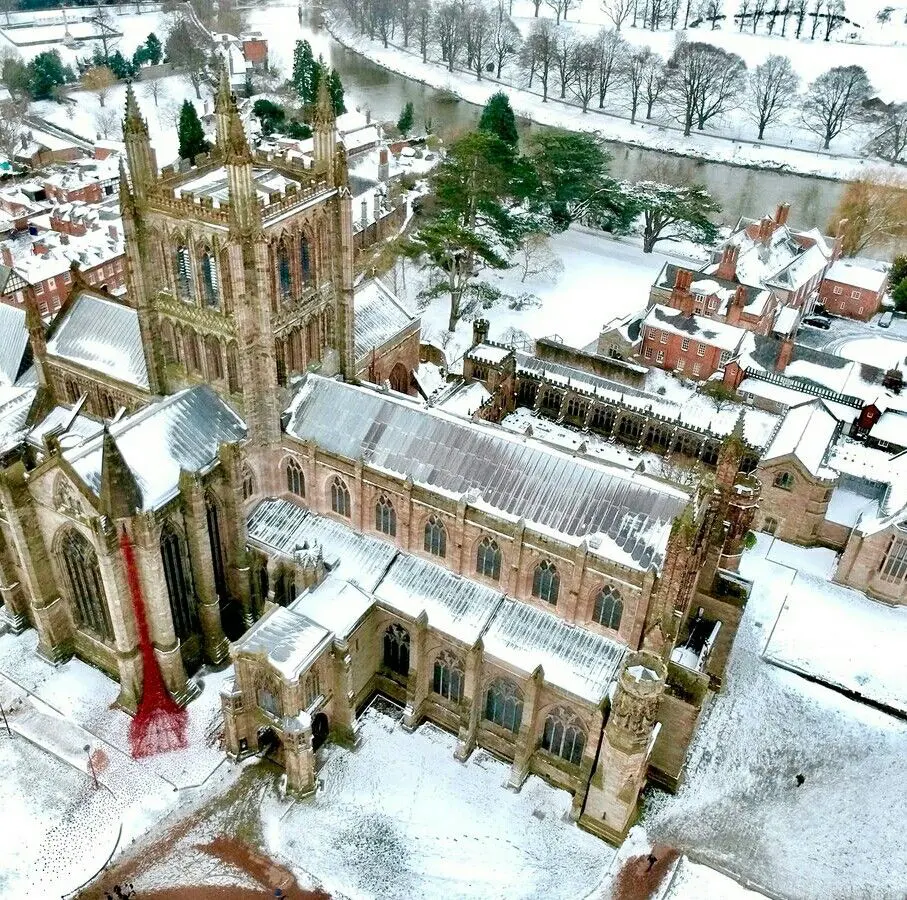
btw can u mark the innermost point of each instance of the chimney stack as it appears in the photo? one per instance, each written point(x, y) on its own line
point(364, 214)
point(727, 266)
point(838, 249)
point(735, 307)
point(785, 354)
point(781, 213)
point(383, 165)
point(7, 256)
point(766, 228)
point(681, 298)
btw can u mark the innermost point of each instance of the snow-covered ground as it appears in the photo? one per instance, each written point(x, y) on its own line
point(842, 638)
point(837, 836)
point(400, 818)
point(787, 147)
point(602, 279)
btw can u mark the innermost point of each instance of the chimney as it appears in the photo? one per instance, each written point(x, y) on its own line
point(7, 256)
point(781, 213)
point(680, 294)
point(112, 231)
point(727, 266)
point(784, 354)
point(735, 307)
point(766, 227)
point(364, 218)
point(383, 166)
point(377, 206)
point(368, 116)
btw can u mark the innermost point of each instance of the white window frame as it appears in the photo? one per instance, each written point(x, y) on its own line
point(685, 344)
point(700, 350)
point(660, 357)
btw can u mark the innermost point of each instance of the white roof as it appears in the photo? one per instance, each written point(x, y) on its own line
point(867, 274)
point(336, 604)
point(490, 354)
point(806, 432)
point(891, 427)
point(786, 320)
point(290, 641)
point(699, 328)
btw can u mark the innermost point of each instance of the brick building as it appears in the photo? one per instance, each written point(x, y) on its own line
point(854, 288)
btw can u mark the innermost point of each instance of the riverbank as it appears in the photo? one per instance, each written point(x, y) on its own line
point(557, 113)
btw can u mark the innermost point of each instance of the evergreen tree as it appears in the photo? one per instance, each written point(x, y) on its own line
point(899, 295)
point(335, 89)
point(477, 218)
point(898, 270)
point(270, 114)
point(120, 66)
point(304, 78)
point(191, 136)
point(15, 76)
point(497, 118)
point(154, 50)
point(405, 122)
point(672, 211)
point(45, 73)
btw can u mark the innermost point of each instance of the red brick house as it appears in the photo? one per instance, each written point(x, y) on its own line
point(689, 345)
point(854, 288)
point(255, 51)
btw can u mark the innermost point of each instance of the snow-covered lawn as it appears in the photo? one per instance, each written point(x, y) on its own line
point(842, 638)
point(837, 836)
point(602, 279)
point(399, 817)
point(883, 352)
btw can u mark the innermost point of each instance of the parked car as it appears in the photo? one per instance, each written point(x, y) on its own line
point(886, 319)
point(817, 322)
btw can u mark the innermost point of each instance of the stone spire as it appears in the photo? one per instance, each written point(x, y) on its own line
point(37, 335)
point(325, 122)
point(120, 495)
point(224, 104)
point(142, 161)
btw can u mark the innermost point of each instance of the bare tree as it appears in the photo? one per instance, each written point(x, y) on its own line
point(834, 101)
point(505, 38)
point(169, 114)
point(423, 26)
point(635, 68)
point(834, 17)
point(107, 123)
point(773, 14)
point(759, 7)
point(449, 32)
point(406, 18)
point(703, 82)
point(152, 88)
point(100, 80)
point(889, 140)
point(561, 8)
point(655, 80)
point(8, 6)
point(564, 42)
point(612, 49)
point(382, 19)
point(771, 84)
point(798, 11)
point(542, 47)
point(873, 211)
point(743, 12)
point(816, 14)
point(479, 50)
point(711, 10)
point(583, 71)
point(536, 258)
point(618, 11)
point(12, 125)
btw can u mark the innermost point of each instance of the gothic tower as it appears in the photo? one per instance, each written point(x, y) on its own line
point(620, 772)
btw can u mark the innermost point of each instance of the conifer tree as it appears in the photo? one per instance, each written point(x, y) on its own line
point(497, 118)
point(405, 122)
point(191, 136)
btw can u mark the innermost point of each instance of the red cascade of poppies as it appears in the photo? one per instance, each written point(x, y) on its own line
point(160, 722)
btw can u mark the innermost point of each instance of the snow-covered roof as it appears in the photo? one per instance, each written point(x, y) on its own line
point(806, 432)
point(101, 335)
point(281, 526)
point(867, 274)
point(379, 317)
point(891, 427)
point(181, 432)
point(707, 331)
point(15, 404)
point(289, 641)
point(578, 661)
point(785, 321)
point(13, 342)
point(489, 354)
point(337, 604)
point(214, 184)
point(846, 507)
point(65, 421)
point(454, 604)
point(800, 270)
point(627, 516)
point(463, 399)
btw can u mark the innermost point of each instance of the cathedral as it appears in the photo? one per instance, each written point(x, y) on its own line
point(245, 415)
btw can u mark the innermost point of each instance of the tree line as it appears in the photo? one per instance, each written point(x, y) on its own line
point(697, 86)
point(491, 201)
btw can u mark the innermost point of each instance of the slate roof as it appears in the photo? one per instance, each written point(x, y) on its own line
point(626, 515)
point(806, 432)
point(379, 317)
point(578, 661)
point(289, 640)
point(14, 357)
point(183, 431)
point(101, 335)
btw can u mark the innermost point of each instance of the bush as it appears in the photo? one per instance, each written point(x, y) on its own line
point(899, 295)
point(299, 131)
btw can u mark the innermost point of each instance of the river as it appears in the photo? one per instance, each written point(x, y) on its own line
point(740, 191)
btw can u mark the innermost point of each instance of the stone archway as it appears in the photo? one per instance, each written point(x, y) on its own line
point(320, 729)
point(399, 378)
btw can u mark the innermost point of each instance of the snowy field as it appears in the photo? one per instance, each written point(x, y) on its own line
point(400, 818)
point(602, 279)
point(838, 836)
point(844, 639)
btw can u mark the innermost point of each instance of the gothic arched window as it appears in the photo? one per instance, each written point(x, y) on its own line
point(185, 283)
point(210, 279)
point(248, 483)
point(447, 679)
point(435, 537)
point(179, 583)
point(504, 704)
point(284, 275)
point(85, 588)
point(488, 559)
point(267, 698)
point(212, 514)
point(785, 481)
point(295, 478)
point(385, 516)
point(340, 497)
point(312, 689)
point(564, 735)
point(305, 259)
point(608, 608)
point(232, 369)
point(396, 649)
point(215, 359)
point(193, 355)
point(546, 582)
